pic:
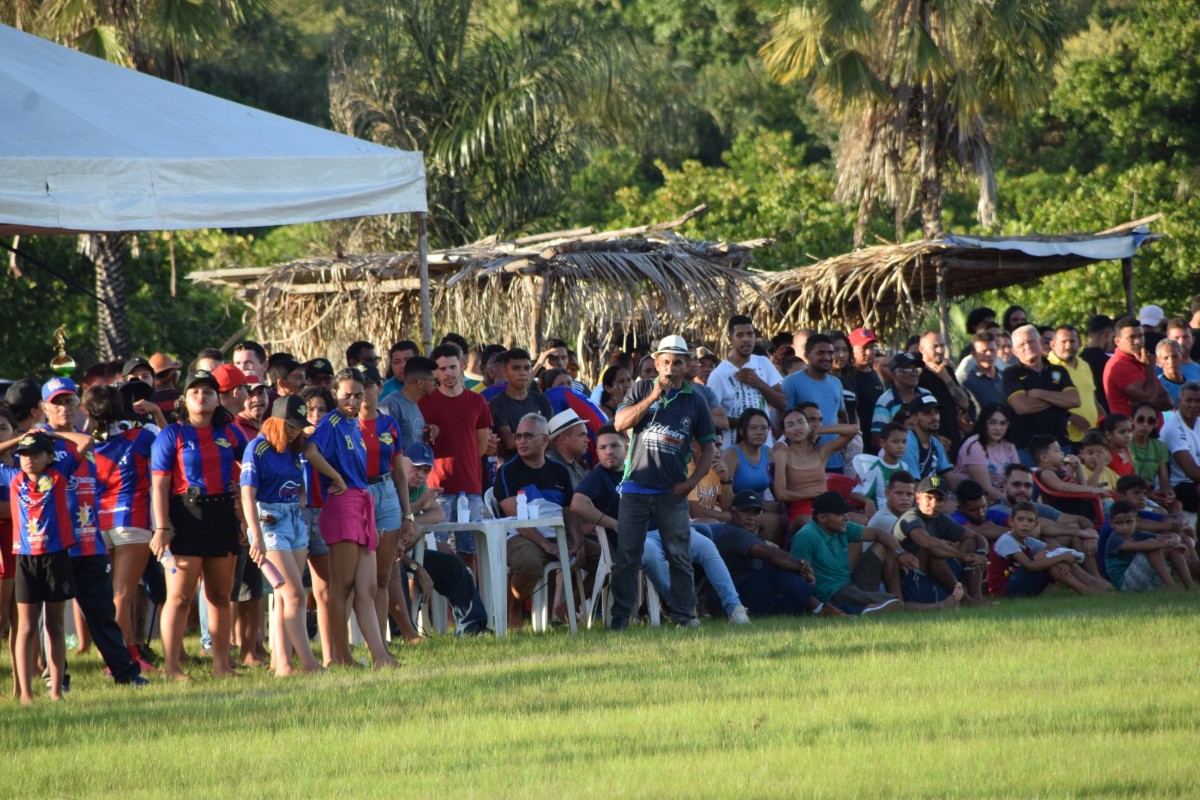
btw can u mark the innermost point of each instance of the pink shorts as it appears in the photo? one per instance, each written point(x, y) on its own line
point(349, 517)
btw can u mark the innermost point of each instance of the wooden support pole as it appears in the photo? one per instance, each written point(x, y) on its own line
point(423, 262)
point(1127, 280)
point(943, 305)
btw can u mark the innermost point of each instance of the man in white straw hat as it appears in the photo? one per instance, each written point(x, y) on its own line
point(569, 443)
point(664, 416)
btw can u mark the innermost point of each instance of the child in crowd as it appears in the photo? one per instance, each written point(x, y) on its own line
point(1153, 518)
point(1151, 459)
point(1139, 561)
point(1064, 474)
point(876, 471)
point(1118, 431)
point(1094, 458)
point(1021, 565)
point(800, 466)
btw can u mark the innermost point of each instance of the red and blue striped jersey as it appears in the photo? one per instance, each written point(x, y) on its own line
point(82, 497)
point(208, 459)
point(382, 439)
point(123, 476)
point(341, 443)
point(41, 516)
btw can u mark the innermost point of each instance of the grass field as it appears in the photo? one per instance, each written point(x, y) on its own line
point(1058, 697)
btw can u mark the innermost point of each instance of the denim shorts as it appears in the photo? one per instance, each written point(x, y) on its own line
point(388, 516)
point(316, 542)
point(288, 531)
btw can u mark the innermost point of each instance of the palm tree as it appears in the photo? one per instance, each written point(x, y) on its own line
point(913, 83)
point(503, 112)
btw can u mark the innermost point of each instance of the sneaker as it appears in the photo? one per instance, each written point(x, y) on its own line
point(147, 654)
point(137, 682)
point(739, 616)
point(881, 606)
point(618, 624)
point(691, 623)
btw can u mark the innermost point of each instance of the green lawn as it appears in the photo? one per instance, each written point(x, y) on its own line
point(1062, 696)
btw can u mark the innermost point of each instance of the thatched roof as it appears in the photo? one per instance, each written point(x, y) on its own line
point(645, 282)
point(885, 285)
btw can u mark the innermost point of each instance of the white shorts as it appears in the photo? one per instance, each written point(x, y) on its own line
point(119, 536)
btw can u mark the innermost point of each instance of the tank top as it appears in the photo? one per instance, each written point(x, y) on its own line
point(752, 476)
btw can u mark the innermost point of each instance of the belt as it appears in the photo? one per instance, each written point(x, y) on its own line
point(378, 479)
point(206, 498)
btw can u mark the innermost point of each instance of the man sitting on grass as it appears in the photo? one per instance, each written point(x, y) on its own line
point(944, 549)
point(825, 543)
point(1137, 561)
point(769, 581)
point(1023, 566)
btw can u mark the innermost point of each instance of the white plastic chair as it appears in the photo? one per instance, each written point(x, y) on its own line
point(653, 603)
point(491, 510)
point(431, 614)
point(600, 590)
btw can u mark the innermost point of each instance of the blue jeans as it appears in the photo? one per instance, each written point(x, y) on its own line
point(704, 553)
point(772, 591)
point(669, 514)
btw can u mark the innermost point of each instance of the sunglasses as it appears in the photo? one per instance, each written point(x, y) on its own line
point(1145, 419)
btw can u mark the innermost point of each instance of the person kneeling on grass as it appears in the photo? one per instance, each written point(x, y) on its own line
point(945, 550)
point(769, 581)
point(825, 543)
point(1023, 566)
point(1137, 561)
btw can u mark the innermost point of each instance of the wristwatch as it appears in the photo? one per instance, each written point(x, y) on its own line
point(411, 517)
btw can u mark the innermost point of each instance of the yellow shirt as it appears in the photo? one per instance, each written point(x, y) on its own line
point(1081, 376)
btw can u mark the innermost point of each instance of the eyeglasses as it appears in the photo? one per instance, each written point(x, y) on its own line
point(369, 359)
point(523, 436)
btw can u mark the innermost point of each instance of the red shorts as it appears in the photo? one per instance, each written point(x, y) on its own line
point(349, 517)
point(8, 561)
point(798, 507)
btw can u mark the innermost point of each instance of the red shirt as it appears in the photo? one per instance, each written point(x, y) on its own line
point(1121, 371)
point(457, 464)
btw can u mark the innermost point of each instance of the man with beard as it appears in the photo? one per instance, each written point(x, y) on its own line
point(743, 380)
point(938, 379)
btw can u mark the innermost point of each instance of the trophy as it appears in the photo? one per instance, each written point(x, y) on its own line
point(62, 364)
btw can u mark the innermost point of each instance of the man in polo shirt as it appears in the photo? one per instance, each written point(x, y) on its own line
point(1041, 395)
point(666, 416)
point(868, 386)
point(1181, 434)
point(983, 381)
point(925, 455)
point(945, 549)
point(825, 544)
point(906, 371)
point(569, 444)
point(1064, 352)
point(1129, 376)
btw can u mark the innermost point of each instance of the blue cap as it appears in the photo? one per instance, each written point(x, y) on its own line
point(420, 454)
point(56, 386)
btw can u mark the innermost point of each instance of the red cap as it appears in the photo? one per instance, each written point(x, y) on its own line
point(229, 377)
point(860, 336)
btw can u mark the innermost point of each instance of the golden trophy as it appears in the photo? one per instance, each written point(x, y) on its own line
point(62, 364)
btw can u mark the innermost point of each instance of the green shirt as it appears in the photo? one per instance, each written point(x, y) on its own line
point(828, 554)
point(1147, 460)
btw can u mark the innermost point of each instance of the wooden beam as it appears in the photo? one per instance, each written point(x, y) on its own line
point(1127, 282)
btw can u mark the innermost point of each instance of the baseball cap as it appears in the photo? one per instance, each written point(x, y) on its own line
point(318, 366)
point(904, 361)
point(830, 503)
point(860, 336)
point(925, 402)
point(1151, 315)
point(703, 353)
point(229, 377)
point(161, 362)
point(676, 345)
point(564, 420)
point(291, 409)
point(135, 390)
point(201, 376)
point(931, 484)
point(35, 442)
point(419, 454)
point(134, 363)
point(57, 386)
point(24, 394)
point(746, 499)
point(370, 374)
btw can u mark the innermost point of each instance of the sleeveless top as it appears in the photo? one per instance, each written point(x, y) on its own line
point(752, 476)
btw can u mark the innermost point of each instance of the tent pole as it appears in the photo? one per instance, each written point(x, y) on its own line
point(423, 260)
point(1127, 280)
point(943, 307)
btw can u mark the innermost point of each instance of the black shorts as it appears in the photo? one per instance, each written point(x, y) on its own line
point(47, 578)
point(207, 527)
point(247, 579)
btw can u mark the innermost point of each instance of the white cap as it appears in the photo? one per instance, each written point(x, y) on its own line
point(675, 345)
point(1151, 315)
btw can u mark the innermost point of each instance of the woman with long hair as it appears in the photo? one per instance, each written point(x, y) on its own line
point(195, 465)
point(748, 463)
point(122, 450)
point(800, 466)
point(272, 490)
point(318, 401)
point(987, 451)
point(615, 381)
point(348, 521)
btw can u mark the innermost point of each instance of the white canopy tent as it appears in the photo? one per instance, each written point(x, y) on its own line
point(91, 147)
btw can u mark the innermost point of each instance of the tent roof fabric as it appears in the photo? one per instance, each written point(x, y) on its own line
point(86, 145)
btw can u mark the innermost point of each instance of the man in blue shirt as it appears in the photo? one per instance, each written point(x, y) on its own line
point(816, 385)
point(665, 416)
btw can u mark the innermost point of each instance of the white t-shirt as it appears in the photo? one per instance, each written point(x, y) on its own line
point(736, 397)
point(1007, 545)
point(1178, 437)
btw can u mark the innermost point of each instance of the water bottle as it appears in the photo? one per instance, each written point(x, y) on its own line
point(464, 508)
point(272, 574)
point(522, 505)
point(168, 561)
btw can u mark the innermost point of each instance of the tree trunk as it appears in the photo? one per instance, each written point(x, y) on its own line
point(930, 174)
point(107, 253)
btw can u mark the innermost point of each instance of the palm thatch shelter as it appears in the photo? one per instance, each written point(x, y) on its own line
point(594, 289)
point(884, 286)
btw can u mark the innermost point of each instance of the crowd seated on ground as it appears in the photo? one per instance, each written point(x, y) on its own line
point(821, 472)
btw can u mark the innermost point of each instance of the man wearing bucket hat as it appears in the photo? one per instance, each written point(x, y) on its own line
point(665, 416)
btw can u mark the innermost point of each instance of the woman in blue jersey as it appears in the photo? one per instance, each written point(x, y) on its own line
point(195, 464)
point(387, 484)
point(318, 401)
point(348, 522)
point(272, 493)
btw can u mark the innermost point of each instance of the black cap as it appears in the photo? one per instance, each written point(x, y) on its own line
point(291, 409)
point(931, 484)
point(904, 361)
point(370, 375)
point(925, 402)
point(24, 395)
point(830, 503)
point(36, 442)
point(134, 363)
point(135, 390)
point(202, 376)
point(746, 499)
point(318, 366)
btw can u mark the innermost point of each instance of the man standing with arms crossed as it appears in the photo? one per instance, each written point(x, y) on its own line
point(665, 416)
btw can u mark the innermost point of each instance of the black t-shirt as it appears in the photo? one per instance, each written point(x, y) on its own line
point(734, 543)
point(551, 481)
point(868, 388)
point(849, 398)
point(1195, 344)
point(939, 527)
point(948, 421)
point(1096, 358)
point(1052, 421)
point(600, 486)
